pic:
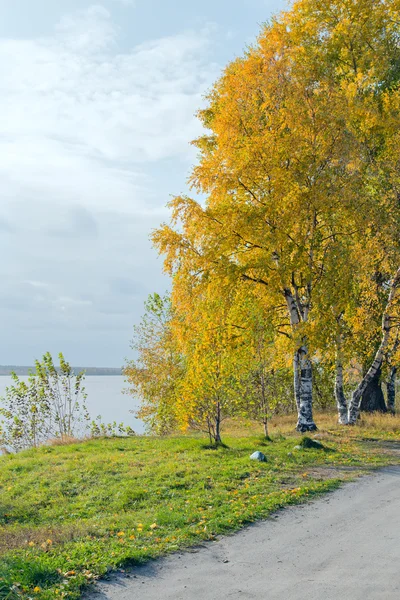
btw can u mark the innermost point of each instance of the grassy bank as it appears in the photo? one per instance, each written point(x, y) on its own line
point(69, 514)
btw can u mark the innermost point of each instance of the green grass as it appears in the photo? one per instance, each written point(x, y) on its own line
point(69, 514)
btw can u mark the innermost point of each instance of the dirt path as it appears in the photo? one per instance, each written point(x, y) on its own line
point(344, 546)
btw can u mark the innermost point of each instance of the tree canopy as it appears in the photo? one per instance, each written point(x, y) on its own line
point(298, 166)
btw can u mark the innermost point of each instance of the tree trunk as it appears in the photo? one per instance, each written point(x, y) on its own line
point(377, 363)
point(264, 400)
point(218, 425)
point(302, 368)
point(210, 430)
point(305, 417)
point(339, 394)
point(391, 390)
point(296, 378)
point(372, 399)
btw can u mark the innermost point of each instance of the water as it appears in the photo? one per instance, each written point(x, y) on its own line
point(105, 398)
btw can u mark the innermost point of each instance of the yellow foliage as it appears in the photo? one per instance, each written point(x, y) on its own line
point(300, 168)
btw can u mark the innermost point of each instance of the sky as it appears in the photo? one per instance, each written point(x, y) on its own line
point(97, 109)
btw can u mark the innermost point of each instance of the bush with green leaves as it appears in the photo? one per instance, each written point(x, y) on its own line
point(114, 429)
point(49, 405)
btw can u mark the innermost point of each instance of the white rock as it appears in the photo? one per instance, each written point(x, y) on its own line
point(258, 456)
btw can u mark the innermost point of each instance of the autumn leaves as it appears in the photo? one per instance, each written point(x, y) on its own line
point(300, 227)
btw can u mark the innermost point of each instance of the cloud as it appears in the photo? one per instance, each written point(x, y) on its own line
point(87, 30)
point(78, 222)
point(78, 291)
point(91, 139)
point(6, 226)
point(81, 120)
point(125, 2)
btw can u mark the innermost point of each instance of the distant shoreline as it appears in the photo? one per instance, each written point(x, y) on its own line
point(6, 370)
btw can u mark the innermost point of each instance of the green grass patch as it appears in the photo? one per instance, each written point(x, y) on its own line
point(69, 514)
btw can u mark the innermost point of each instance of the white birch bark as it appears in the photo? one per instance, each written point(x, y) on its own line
point(339, 395)
point(379, 356)
point(294, 320)
point(305, 420)
point(296, 379)
point(302, 368)
point(294, 312)
point(339, 390)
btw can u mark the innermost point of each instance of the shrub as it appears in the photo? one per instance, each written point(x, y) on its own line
point(49, 405)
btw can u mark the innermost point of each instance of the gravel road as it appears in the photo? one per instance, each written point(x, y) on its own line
point(343, 546)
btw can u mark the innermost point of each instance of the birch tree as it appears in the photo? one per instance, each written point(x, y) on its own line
point(390, 321)
point(212, 388)
point(265, 375)
point(391, 390)
point(49, 405)
point(275, 168)
point(292, 174)
point(155, 374)
point(392, 359)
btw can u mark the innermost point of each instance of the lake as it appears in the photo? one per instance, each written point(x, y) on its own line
point(105, 398)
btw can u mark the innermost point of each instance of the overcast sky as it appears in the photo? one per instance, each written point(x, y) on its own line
point(97, 103)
